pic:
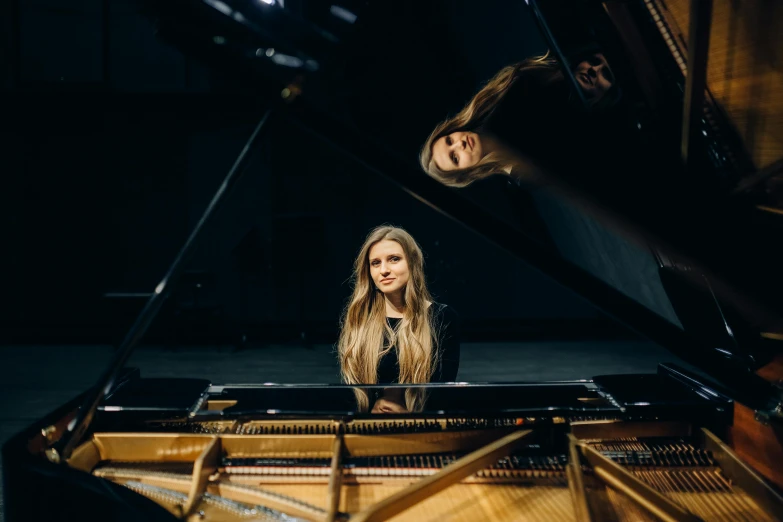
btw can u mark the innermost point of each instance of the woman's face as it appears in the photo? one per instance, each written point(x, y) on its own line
point(594, 76)
point(388, 266)
point(458, 150)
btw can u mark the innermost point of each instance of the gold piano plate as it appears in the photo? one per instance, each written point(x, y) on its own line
point(668, 470)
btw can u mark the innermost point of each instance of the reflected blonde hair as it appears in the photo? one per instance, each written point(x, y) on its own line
point(365, 335)
point(474, 116)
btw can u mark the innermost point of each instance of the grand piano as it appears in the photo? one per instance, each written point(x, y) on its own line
point(676, 445)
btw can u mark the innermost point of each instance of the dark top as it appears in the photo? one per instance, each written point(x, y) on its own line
point(598, 151)
point(537, 116)
point(447, 322)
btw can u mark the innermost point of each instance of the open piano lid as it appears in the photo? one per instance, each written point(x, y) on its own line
point(297, 57)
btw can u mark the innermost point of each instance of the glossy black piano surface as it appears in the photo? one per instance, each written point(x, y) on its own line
point(637, 393)
point(681, 250)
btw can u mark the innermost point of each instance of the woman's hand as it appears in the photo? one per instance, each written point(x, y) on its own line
point(384, 405)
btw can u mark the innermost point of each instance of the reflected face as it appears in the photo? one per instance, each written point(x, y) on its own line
point(594, 76)
point(388, 266)
point(458, 150)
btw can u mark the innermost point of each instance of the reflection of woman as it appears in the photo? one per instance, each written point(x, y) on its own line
point(392, 331)
point(464, 148)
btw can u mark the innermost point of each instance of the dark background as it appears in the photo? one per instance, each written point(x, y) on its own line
point(114, 142)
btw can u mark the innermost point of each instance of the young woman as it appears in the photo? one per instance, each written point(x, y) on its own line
point(392, 331)
point(528, 102)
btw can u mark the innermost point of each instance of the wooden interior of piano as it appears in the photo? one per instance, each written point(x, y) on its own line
point(431, 469)
point(744, 96)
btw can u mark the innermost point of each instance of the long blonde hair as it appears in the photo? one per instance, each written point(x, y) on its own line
point(476, 114)
point(365, 335)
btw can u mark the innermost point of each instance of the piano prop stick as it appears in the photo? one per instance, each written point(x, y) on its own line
point(696, 81)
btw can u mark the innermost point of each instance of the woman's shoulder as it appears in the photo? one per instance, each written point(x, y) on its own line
point(445, 312)
point(446, 322)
